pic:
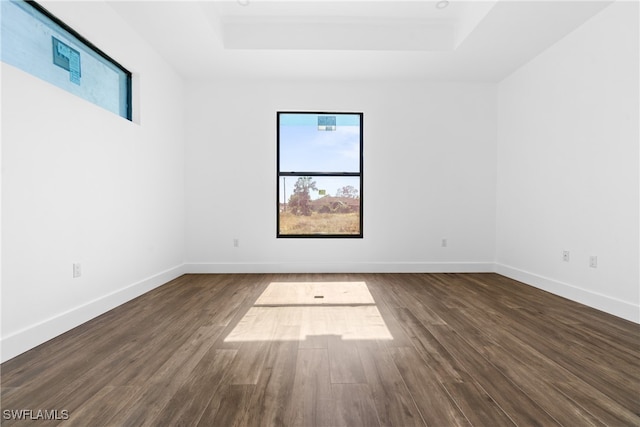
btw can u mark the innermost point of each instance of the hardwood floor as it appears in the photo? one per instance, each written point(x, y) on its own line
point(335, 350)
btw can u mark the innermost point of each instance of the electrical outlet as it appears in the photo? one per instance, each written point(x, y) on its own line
point(593, 261)
point(77, 271)
point(236, 243)
point(565, 256)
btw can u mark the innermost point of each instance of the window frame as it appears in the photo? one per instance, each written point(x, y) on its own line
point(360, 174)
point(128, 113)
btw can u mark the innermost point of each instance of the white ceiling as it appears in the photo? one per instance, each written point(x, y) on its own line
point(353, 39)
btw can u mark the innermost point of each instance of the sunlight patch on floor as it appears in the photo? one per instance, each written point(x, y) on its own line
point(293, 311)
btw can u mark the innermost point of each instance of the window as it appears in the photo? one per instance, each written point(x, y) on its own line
point(40, 44)
point(319, 174)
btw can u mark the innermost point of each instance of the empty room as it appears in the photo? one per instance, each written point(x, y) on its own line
point(320, 213)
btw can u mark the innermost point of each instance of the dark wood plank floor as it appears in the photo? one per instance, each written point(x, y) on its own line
point(432, 349)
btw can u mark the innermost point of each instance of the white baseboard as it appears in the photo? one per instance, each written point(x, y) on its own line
point(595, 300)
point(32, 336)
point(347, 267)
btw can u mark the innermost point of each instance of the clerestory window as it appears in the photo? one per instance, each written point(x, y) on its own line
point(40, 44)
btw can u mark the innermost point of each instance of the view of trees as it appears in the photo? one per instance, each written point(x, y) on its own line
point(339, 214)
point(299, 200)
point(348, 191)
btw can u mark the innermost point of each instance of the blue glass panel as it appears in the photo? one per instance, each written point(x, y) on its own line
point(38, 44)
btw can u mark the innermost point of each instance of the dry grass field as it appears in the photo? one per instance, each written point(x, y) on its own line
point(317, 223)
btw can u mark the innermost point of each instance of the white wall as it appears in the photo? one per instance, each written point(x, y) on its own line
point(568, 166)
point(83, 185)
point(429, 173)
